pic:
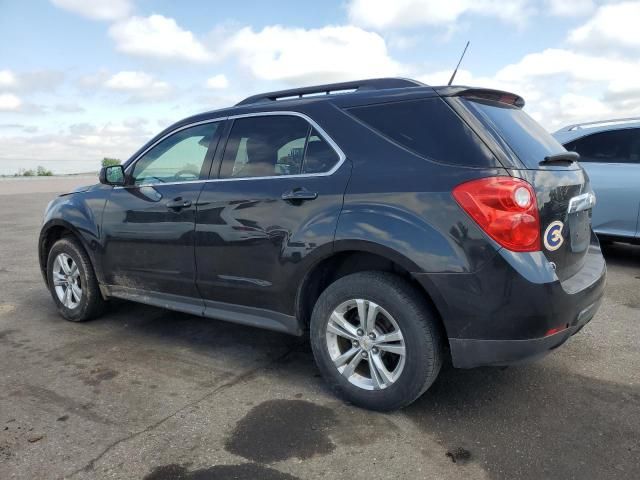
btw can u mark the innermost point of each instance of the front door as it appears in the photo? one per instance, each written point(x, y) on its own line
point(148, 225)
point(278, 198)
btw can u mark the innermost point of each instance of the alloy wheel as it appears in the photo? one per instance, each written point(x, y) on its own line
point(366, 344)
point(66, 281)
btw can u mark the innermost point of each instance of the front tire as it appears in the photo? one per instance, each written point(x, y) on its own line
point(72, 282)
point(376, 340)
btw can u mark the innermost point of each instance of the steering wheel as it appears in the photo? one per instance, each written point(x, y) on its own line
point(183, 175)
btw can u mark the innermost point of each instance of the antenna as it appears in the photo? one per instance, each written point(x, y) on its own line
point(453, 75)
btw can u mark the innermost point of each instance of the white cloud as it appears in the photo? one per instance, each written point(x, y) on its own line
point(92, 80)
point(384, 14)
point(77, 148)
point(575, 106)
point(7, 79)
point(570, 8)
point(141, 84)
point(9, 102)
point(218, 82)
point(37, 80)
point(561, 86)
point(297, 55)
point(129, 81)
point(68, 108)
point(96, 9)
point(159, 37)
point(441, 77)
point(612, 26)
point(575, 66)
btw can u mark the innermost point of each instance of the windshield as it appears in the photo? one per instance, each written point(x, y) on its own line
point(522, 134)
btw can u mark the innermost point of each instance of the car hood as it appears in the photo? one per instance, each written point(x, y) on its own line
point(85, 188)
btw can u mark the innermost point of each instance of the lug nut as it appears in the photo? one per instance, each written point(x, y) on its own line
point(360, 332)
point(372, 336)
point(365, 354)
point(375, 350)
point(356, 344)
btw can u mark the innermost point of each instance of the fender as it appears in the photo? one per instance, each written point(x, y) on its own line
point(81, 214)
point(401, 234)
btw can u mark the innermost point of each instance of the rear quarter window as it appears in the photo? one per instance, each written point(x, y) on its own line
point(429, 128)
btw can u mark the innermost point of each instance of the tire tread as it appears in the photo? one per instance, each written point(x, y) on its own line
point(94, 305)
point(427, 323)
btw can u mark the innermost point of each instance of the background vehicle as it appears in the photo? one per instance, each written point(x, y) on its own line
point(393, 222)
point(610, 153)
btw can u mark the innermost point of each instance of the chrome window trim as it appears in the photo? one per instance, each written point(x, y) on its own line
point(133, 162)
point(341, 156)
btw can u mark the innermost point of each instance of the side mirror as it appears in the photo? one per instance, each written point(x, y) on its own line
point(112, 175)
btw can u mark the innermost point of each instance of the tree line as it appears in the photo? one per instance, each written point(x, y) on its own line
point(41, 171)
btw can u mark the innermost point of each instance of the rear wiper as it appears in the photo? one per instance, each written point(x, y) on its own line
point(568, 157)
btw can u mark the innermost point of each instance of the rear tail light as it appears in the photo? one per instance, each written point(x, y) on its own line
point(505, 208)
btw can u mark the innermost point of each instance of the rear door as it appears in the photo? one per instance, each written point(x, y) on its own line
point(277, 198)
point(612, 160)
point(562, 189)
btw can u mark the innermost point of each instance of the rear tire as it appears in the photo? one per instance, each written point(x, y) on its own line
point(72, 281)
point(390, 359)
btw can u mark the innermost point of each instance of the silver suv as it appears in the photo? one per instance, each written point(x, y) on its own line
point(610, 153)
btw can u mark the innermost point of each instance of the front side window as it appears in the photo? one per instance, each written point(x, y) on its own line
point(177, 158)
point(617, 146)
point(275, 145)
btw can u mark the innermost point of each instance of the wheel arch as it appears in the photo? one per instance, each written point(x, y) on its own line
point(53, 231)
point(352, 257)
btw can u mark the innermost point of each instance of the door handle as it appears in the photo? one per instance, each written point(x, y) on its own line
point(299, 194)
point(178, 203)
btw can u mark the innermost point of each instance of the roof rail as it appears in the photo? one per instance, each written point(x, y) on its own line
point(599, 123)
point(343, 87)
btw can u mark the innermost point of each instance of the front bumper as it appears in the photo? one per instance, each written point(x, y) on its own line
point(501, 314)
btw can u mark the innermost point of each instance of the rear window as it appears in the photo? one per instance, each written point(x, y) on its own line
point(524, 136)
point(429, 128)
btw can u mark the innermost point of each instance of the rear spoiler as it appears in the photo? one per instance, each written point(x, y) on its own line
point(482, 94)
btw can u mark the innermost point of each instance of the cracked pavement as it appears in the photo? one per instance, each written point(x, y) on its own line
point(145, 393)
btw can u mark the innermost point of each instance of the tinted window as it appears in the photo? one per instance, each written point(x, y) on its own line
point(427, 127)
point(319, 156)
point(527, 139)
point(179, 157)
point(275, 145)
point(617, 146)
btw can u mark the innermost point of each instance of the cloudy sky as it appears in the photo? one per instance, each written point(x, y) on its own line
point(80, 80)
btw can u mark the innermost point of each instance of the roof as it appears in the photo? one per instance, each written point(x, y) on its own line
point(343, 95)
point(579, 130)
point(299, 98)
point(332, 89)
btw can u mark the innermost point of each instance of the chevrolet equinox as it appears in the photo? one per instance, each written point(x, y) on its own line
point(394, 223)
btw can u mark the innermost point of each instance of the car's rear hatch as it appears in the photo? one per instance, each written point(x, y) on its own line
point(529, 152)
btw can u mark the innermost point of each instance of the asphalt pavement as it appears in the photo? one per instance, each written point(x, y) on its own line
point(146, 393)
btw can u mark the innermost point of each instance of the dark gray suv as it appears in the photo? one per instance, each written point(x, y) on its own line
point(394, 223)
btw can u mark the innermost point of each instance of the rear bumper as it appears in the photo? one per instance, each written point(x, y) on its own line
point(469, 353)
point(501, 314)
